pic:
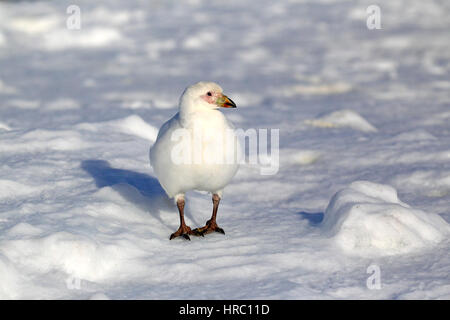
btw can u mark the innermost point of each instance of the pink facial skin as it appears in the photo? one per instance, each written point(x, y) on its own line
point(211, 99)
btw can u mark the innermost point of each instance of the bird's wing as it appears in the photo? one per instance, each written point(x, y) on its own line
point(169, 125)
point(163, 139)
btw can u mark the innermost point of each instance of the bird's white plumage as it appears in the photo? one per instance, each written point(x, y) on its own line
point(196, 149)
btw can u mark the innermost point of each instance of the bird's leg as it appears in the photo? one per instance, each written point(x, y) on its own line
point(183, 230)
point(211, 224)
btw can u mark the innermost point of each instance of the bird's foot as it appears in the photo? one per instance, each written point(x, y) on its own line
point(183, 231)
point(211, 226)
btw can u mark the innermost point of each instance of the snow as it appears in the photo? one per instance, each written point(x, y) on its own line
point(94, 38)
point(82, 215)
point(343, 118)
point(368, 219)
point(4, 126)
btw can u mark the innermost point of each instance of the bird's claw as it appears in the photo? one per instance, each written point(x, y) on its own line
point(183, 232)
point(209, 228)
point(184, 235)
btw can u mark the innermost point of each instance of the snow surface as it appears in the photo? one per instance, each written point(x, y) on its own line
point(82, 216)
point(343, 118)
point(368, 219)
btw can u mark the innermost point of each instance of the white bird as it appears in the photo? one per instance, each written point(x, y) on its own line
point(197, 150)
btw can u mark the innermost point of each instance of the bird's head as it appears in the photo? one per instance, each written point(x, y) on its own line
point(205, 96)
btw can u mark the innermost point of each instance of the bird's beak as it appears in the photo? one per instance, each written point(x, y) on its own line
point(225, 102)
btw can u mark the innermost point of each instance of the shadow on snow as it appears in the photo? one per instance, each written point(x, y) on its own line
point(150, 197)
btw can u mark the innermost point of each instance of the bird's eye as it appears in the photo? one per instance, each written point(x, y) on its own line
point(209, 93)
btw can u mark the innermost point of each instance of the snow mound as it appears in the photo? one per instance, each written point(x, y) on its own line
point(368, 219)
point(132, 125)
point(24, 229)
point(4, 126)
point(301, 157)
point(11, 189)
point(343, 118)
point(414, 135)
point(78, 256)
point(135, 125)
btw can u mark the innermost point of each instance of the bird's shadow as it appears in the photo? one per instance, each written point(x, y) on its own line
point(151, 197)
point(314, 219)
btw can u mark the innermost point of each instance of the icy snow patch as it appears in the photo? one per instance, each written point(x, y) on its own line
point(63, 104)
point(9, 279)
point(414, 135)
point(79, 256)
point(6, 89)
point(431, 183)
point(93, 38)
point(12, 189)
point(320, 89)
point(24, 229)
point(368, 219)
point(136, 104)
point(24, 104)
point(156, 48)
point(35, 25)
point(134, 125)
point(343, 118)
point(4, 126)
point(40, 140)
point(200, 40)
point(99, 296)
point(300, 157)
